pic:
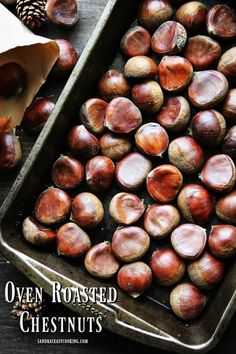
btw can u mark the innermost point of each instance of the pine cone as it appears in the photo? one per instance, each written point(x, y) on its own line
point(35, 309)
point(31, 13)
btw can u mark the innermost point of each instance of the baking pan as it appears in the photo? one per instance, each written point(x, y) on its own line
point(148, 319)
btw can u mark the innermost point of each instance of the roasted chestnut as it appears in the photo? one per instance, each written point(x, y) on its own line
point(67, 172)
point(222, 240)
point(37, 234)
point(229, 106)
point(175, 73)
point(208, 127)
point(122, 116)
point(169, 38)
point(92, 115)
point(221, 22)
point(37, 114)
point(100, 262)
point(160, 220)
point(185, 153)
point(126, 208)
point(136, 41)
point(187, 301)
point(87, 210)
point(152, 13)
point(130, 243)
point(229, 143)
point(202, 52)
point(174, 114)
point(152, 139)
point(148, 96)
point(115, 146)
point(164, 183)
point(113, 84)
point(99, 173)
point(206, 271)
point(63, 13)
point(82, 143)
point(140, 67)
point(72, 241)
point(67, 59)
point(13, 79)
point(207, 89)
point(52, 206)
point(132, 171)
point(219, 173)
point(226, 208)
point(10, 151)
point(189, 240)
point(192, 15)
point(196, 204)
point(227, 64)
point(134, 278)
point(167, 267)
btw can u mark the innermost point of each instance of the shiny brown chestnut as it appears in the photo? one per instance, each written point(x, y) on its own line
point(226, 208)
point(37, 114)
point(132, 171)
point(126, 208)
point(189, 240)
point(202, 52)
point(100, 262)
point(229, 107)
point(164, 183)
point(207, 89)
point(192, 15)
point(67, 59)
point(130, 243)
point(174, 73)
point(92, 115)
point(115, 146)
point(136, 41)
point(52, 206)
point(67, 172)
point(140, 67)
point(167, 267)
point(134, 278)
point(208, 127)
point(122, 116)
point(169, 38)
point(196, 204)
point(113, 84)
point(174, 114)
point(185, 153)
point(13, 79)
point(229, 143)
point(161, 220)
point(152, 13)
point(10, 151)
point(206, 271)
point(148, 96)
point(37, 234)
point(219, 173)
point(227, 64)
point(72, 241)
point(82, 143)
point(87, 210)
point(63, 13)
point(187, 301)
point(99, 173)
point(222, 241)
point(221, 22)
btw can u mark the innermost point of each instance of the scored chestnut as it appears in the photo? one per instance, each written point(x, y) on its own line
point(229, 143)
point(221, 22)
point(115, 146)
point(82, 143)
point(164, 183)
point(10, 151)
point(167, 267)
point(126, 208)
point(67, 59)
point(227, 64)
point(192, 15)
point(229, 107)
point(136, 41)
point(62, 13)
point(67, 172)
point(148, 96)
point(134, 278)
point(140, 67)
point(13, 79)
point(37, 234)
point(226, 208)
point(222, 241)
point(99, 173)
point(113, 84)
point(100, 261)
point(161, 220)
point(92, 115)
point(152, 13)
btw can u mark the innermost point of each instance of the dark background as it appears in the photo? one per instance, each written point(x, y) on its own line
point(12, 339)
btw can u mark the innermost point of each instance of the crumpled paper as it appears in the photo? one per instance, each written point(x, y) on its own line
point(35, 54)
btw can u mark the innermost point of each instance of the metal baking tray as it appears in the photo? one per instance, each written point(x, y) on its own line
point(149, 318)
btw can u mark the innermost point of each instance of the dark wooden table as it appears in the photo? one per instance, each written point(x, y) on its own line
point(12, 339)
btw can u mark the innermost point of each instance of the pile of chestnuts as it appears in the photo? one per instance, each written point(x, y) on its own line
point(163, 127)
